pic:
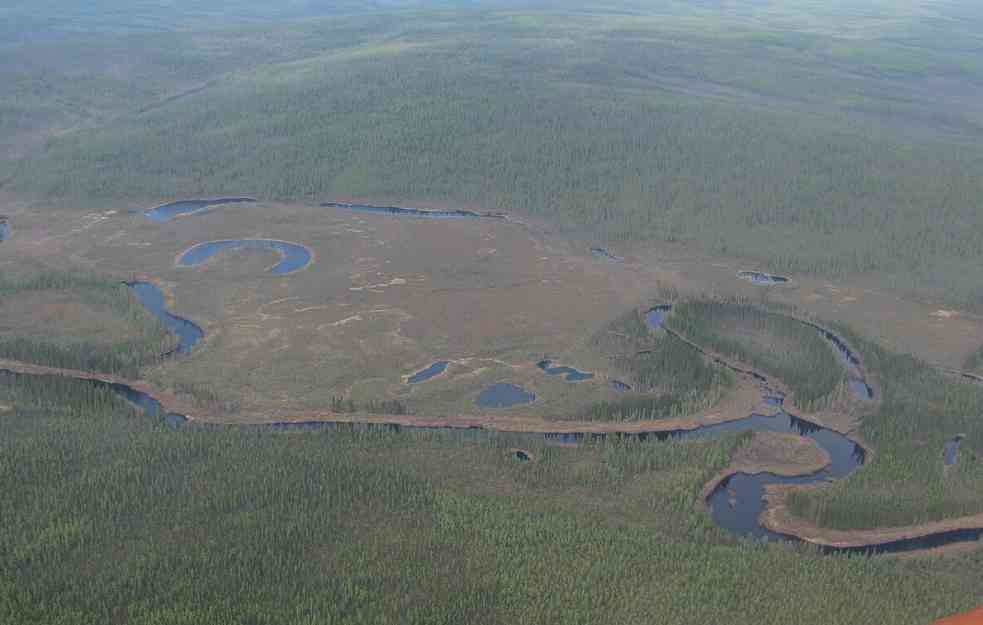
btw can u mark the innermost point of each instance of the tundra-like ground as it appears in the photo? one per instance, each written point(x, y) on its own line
point(384, 297)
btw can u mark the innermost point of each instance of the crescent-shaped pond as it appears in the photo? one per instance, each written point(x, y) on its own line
point(294, 257)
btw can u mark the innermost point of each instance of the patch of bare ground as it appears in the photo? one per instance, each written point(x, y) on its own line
point(781, 454)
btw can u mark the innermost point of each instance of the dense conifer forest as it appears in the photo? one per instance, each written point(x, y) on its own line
point(839, 143)
point(110, 516)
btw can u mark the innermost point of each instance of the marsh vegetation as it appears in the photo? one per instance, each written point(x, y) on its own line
point(667, 377)
point(75, 321)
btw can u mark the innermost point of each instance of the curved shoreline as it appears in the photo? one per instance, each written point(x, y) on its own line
point(244, 243)
point(747, 402)
point(195, 206)
point(778, 518)
point(775, 516)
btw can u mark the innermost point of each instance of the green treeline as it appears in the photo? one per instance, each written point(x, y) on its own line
point(746, 140)
point(771, 342)
point(906, 482)
point(147, 338)
point(975, 360)
point(110, 517)
point(374, 406)
point(668, 377)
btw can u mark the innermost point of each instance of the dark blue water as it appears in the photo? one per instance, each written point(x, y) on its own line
point(5, 231)
point(656, 317)
point(736, 504)
point(153, 300)
point(758, 277)
point(774, 400)
point(167, 212)
point(400, 211)
point(572, 375)
point(295, 256)
point(951, 450)
point(150, 406)
point(522, 455)
point(504, 396)
point(620, 386)
point(855, 379)
point(860, 388)
point(430, 372)
point(600, 252)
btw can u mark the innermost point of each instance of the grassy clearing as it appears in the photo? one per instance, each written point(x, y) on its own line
point(78, 322)
point(771, 342)
point(110, 517)
point(905, 483)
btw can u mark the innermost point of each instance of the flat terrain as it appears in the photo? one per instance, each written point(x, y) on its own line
point(781, 454)
point(385, 297)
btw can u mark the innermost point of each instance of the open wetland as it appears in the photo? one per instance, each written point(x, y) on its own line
point(287, 344)
point(436, 312)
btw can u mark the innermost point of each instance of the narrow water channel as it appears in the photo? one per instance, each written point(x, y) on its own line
point(736, 504)
point(173, 210)
point(150, 296)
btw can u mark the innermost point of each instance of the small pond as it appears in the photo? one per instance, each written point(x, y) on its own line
point(430, 372)
point(5, 230)
point(167, 212)
point(295, 256)
point(600, 252)
point(620, 386)
point(736, 504)
point(951, 450)
point(758, 277)
point(656, 316)
point(504, 396)
point(571, 374)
